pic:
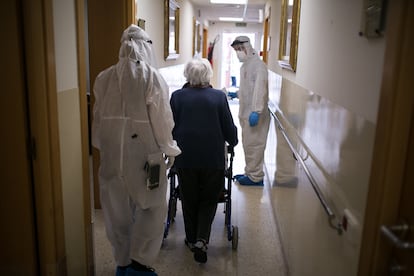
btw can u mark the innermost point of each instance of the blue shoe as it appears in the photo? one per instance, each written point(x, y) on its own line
point(132, 272)
point(238, 176)
point(247, 182)
point(232, 95)
point(121, 271)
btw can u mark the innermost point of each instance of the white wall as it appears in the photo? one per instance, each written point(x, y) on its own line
point(333, 60)
point(273, 10)
point(65, 44)
point(153, 14)
point(70, 134)
point(338, 76)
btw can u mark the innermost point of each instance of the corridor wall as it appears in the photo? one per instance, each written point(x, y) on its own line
point(152, 13)
point(328, 108)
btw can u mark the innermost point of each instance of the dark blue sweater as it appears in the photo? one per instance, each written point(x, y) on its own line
point(203, 123)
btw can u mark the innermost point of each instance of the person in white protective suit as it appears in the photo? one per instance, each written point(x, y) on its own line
point(254, 115)
point(132, 129)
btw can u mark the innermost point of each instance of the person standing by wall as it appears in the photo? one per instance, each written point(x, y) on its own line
point(132, 129)
point(203, 124)
point(254, 115)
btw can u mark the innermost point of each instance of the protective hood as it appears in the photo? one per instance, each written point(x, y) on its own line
point(137, 46)
point(245, 41)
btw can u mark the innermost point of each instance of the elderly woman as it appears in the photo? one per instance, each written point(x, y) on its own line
point(203, 124)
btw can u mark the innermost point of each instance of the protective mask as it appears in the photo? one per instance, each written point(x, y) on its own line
point(241, 55)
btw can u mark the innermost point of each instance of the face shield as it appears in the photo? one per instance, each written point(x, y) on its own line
point(243, 48)
point(137, 45)
point(239, 47)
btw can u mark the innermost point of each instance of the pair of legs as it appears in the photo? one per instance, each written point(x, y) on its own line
point(200, 192)
point(254, 144)
point(135, 233)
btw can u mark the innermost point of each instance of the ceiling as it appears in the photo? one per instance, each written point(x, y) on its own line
point(254, 11)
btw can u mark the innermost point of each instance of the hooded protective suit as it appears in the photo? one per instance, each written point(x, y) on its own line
point(253, 97)
point(132, 124)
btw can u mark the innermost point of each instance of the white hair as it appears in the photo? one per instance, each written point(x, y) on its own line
point(198, 71)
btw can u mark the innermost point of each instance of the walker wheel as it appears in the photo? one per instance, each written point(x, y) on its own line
point(172, 210)
point(235, 238)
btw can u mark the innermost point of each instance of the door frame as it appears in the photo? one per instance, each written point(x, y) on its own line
point(395, 116)
point(205, 42)
point(266, 38)
point(81, 38)
point(42, 101)
point(102, 55)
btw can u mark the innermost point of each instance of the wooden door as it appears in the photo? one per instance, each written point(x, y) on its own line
point(205, 43)
point(18, 254)
point(266, 37)
point(107, 20)
point(390, 203)
point(401, 261)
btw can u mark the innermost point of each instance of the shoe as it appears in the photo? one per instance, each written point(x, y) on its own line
point(238, 176)
point(190, 245)
point(121, 270)
point(149, 271)
point(247, 182)
point(200, 252)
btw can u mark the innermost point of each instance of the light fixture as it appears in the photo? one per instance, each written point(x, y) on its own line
point(231, 19)
point(240, 2)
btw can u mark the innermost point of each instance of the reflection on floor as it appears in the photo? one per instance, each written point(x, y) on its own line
point(258, 252)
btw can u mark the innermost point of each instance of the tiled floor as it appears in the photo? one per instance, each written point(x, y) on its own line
point(258, 252)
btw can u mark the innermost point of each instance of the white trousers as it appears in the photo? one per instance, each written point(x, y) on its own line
point(254, 143)
point(135, 233)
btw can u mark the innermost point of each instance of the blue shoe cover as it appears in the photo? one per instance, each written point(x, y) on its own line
point(247, 182)
point(238, 176)
point(120, 271)
point(232, 95)
point(132, 272)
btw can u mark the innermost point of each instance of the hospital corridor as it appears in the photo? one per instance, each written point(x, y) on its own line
point(101, 97)
point(258, 250)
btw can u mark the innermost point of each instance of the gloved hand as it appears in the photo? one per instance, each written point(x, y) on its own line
point(232, 95)
point(170, 161)
point(254, 118)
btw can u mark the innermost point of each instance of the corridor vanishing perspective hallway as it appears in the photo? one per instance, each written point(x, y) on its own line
point(259, 250)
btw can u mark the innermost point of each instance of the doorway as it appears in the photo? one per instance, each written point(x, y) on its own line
point(230, 65)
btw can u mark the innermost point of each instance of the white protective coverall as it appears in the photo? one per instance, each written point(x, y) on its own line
point(253, 97)
point(132, 122)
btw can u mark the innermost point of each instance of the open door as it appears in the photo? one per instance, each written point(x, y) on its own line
point(400, 235)
point(32, 232)
point(205, 43)
point(18, 231)
point(107, 20)
point(266, 39)
point(388, 237)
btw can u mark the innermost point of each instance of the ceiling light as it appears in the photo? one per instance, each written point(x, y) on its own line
point(241, 2)
point(232, 19)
